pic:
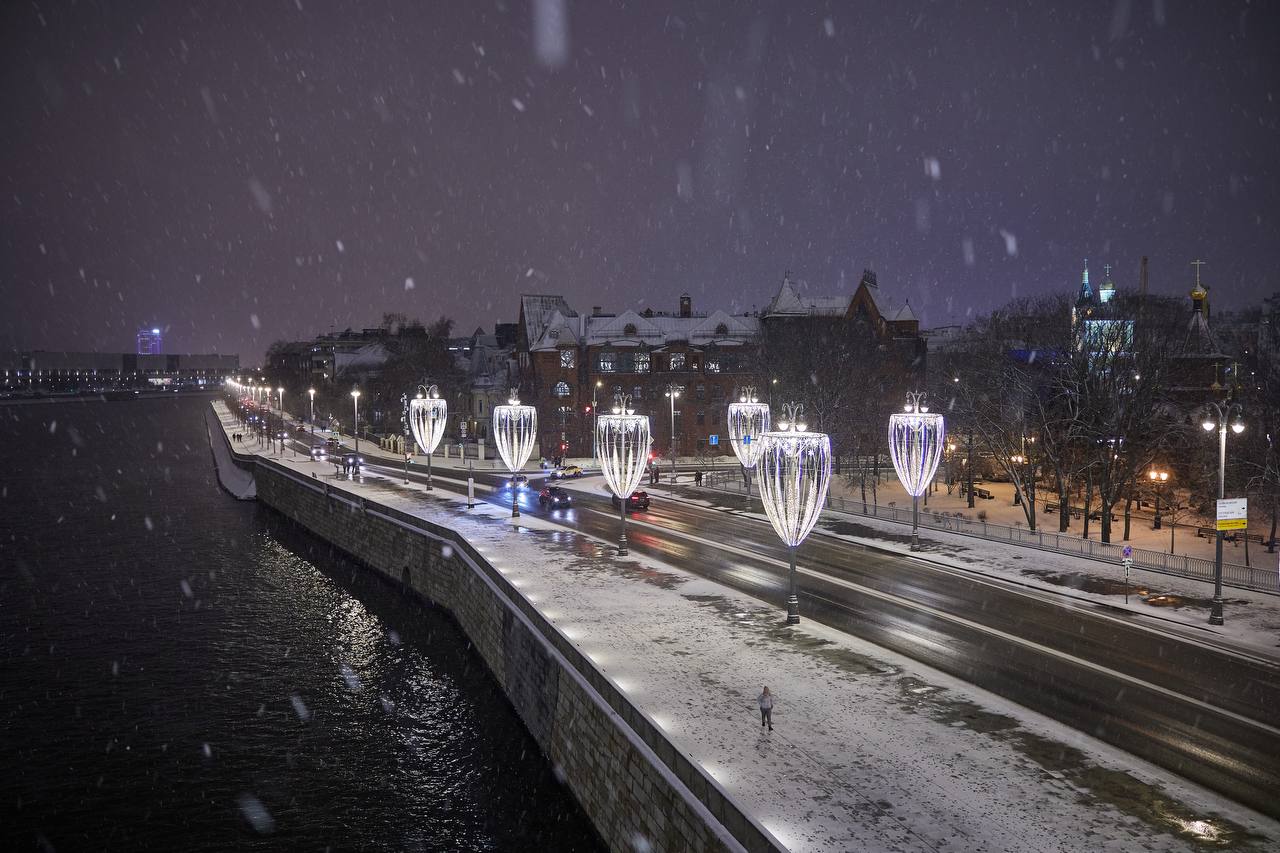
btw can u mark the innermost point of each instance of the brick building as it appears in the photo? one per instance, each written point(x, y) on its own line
point(572, 364)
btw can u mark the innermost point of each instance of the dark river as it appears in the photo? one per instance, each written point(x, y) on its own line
point(182, 671)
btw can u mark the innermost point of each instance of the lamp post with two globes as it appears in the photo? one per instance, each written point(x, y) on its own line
point(795, 473)
point(1216, 418)
point(622, 452)
point(515, 428)
point(428, 415)
point(915, 445)
point(748, 420)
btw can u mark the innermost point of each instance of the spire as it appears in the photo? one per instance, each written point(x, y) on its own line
point(1199, 293)
point(1086, 292)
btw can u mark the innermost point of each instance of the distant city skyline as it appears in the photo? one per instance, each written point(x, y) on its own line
point(256, 172)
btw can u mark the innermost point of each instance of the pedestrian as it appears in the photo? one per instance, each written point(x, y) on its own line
point(766, 709)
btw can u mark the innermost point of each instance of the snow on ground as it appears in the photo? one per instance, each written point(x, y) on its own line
point(871, 751)
point(235, 480)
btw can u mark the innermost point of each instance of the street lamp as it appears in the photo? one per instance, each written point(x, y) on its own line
point(428, 415)
point(515, 428)
point(1158, 479)
point(622, 442)
point(355, 421)
point(283, 428)
point(311, 392)
point(795, 472)
point(748, 420)
point(915, 445)
point(673, 391)
point(595, 419)
point(1223, 412)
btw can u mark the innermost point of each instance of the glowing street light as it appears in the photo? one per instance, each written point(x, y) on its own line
point(915, 444)
point(1222, 411)
point(355, 422)
point(283, 428)
point(748, 420)
point(795, 472)
point(428, 414)
point(622, 448)
point(312, 393)
point(515, 428)
point(673, 391)
point(1158, 479)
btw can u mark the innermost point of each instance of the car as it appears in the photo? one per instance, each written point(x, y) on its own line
point(555, 496)
point(300, 428)
point(638, 500)
point(319, 453)
point(565, 472)
point(519, 480)
point(331, 441)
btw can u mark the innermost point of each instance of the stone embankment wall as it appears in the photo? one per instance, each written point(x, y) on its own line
point(638, 789)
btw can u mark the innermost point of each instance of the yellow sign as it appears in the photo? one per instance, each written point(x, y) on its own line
point(1233, 523)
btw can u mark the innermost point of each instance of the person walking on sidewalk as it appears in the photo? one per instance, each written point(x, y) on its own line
point(766, 709)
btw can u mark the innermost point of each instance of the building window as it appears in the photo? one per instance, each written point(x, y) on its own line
point(642, 362)
point(715, 418)
point(713, 364)
point(702, 418)
point(722, 330)
point(561, 389)
point(607, 363)
point(717, 392)
point(637, 393)
point(677, 361)
point(629, 330)
point(567, 359)
point(700, 392)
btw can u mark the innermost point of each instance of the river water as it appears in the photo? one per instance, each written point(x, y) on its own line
point(182, 671)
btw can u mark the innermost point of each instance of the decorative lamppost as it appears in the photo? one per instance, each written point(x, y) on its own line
point(428, 414)
point(1158, 479)
point(748, 420)
point(311, 392)
point(795, 472)
point(283, 428)
point(355, 422)
point(915, 444)
point(673, 391)
point(515, 428)
point(1223, 412)
point(622, 443)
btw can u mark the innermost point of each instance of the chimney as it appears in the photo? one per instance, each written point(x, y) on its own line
point(686, 305)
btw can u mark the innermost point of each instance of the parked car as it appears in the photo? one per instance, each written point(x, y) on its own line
point(566, 472)
point(554, 496)
point(637, 501)
point(319, 453)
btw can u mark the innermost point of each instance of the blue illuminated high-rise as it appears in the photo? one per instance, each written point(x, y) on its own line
point(149, 341)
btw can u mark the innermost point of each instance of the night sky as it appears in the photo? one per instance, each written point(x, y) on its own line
point(243, 172)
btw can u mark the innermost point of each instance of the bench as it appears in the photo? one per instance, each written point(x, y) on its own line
point(1048, 507)
point(984, 494)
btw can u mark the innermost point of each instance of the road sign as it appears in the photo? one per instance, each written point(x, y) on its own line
point(746, 439)
point(1128, 551)
point(714, 440)
point(1233, 514)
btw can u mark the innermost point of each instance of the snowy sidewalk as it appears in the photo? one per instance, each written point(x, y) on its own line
point(871, 751)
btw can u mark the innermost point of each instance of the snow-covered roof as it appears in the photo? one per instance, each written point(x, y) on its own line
point(542, 311)
point(790, 300)
point(901, 314)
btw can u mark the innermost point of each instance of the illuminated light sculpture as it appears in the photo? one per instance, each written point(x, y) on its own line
point(915, 444)
point(622, 451)
point(515, 428)
point(428, 415)
point(748, 421)
point(795, 472)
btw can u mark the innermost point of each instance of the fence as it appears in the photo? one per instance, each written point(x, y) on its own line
point(1181, 565)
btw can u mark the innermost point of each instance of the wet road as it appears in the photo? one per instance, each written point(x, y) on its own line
point(1208, 714)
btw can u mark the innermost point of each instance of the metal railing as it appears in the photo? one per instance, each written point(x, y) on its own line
point(1181, 565)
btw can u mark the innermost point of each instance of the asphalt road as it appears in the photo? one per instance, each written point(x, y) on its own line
point(1203, 711)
